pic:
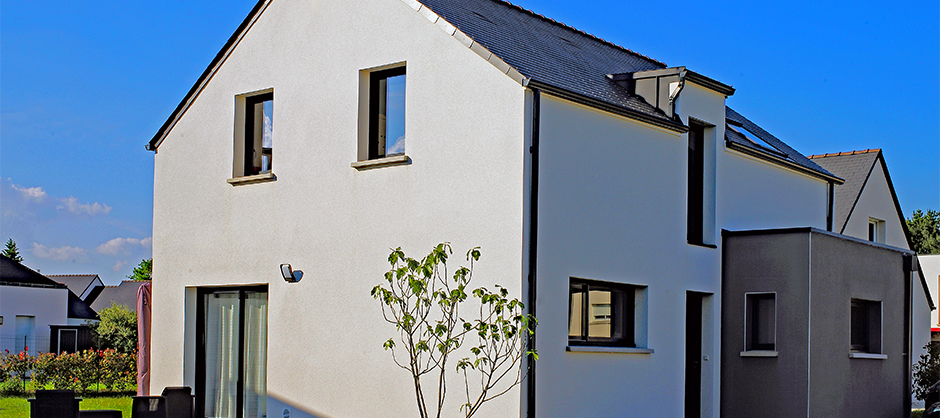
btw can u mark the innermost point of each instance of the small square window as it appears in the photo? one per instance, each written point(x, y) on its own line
point(601, 313)
point(387, 113)
point(254, 134)
point(876, 230)
point(866, 326)
point(761, 321)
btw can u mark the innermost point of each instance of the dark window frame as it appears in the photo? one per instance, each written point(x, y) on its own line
point(250, 102)
point(201, 293)
point(376, 149)
point(696, 184)
point(623, 313)
point(754, 325)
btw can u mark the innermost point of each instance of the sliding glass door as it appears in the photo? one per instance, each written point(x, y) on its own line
point(232, 356)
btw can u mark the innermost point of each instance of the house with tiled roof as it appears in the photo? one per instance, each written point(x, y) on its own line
point(601, 185)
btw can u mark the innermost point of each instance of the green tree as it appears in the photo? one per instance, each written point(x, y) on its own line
point(424, 304)
point(926, 372)
point(12, 252)
point(142, 271)
point(925, 231)
point(117, 329)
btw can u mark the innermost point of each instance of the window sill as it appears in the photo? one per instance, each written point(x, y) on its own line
point(759, 353)
point(381, 162)
point(702, 244)
point(869, 356)
point(612, 350)
point(257, 178)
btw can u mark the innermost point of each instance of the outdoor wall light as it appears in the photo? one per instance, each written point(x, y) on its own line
point(291, 276)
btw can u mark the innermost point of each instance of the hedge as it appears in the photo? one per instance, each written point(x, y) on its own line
point(77, 371)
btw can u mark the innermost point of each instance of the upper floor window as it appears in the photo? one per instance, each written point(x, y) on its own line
point(254, 126)
point(876, 230)
point(387, 113)
point(696, 198)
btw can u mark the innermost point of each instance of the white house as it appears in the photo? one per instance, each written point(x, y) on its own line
point(39, 314)
point(326, 132)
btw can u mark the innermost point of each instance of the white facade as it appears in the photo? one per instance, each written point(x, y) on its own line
point(876, 204)
point(930, 265)
point(612, 206)
point(464, 123)
point(33, 310)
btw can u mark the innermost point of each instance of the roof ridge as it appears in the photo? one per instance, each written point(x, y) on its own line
point(845, 153)
point(574, 29)
point(79, 274)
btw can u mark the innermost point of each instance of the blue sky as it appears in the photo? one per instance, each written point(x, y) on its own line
point(84, 85)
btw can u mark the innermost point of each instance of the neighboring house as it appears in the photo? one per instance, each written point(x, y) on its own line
point(86, 286)
point(124, 294)
point(866, 206)
point(930, 266)
point(39, 313)
point(597, 181)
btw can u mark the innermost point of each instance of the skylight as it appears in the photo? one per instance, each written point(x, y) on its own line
point(755, 140)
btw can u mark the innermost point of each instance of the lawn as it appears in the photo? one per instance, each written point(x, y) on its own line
point(14, 407)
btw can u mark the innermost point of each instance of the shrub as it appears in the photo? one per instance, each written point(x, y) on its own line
point(927, 371)
point(117, 329)
point(16, 367)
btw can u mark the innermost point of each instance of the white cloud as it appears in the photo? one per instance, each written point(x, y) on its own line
point(398, 147)
point(123, 245)
point(118, 266)
point(60, 254)
point(73, 205)
point(34, 193)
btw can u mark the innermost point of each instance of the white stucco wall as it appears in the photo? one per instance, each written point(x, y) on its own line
point(612, 207)
point(930, 264)
point(464, 130)
point(876, 202)
point(49, 306)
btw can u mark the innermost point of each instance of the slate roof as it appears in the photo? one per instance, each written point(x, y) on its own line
point(855, 167)
point(79, 309)
point(548, 54)
point(773, 147)
point(78, 283)
point(122, 294)
point(16, 274)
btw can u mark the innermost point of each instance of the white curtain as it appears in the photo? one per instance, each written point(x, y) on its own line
point(256, 354)
point(221, 354)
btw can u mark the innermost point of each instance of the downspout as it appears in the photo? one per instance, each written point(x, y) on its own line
point(829, 211)
point(908, 300)
point(533, 245)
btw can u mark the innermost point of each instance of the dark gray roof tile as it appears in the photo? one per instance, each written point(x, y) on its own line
point(854, 167)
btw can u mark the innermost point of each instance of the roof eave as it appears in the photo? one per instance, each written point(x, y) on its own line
point(784, 162)
point(607, 107)
point(164, 130)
